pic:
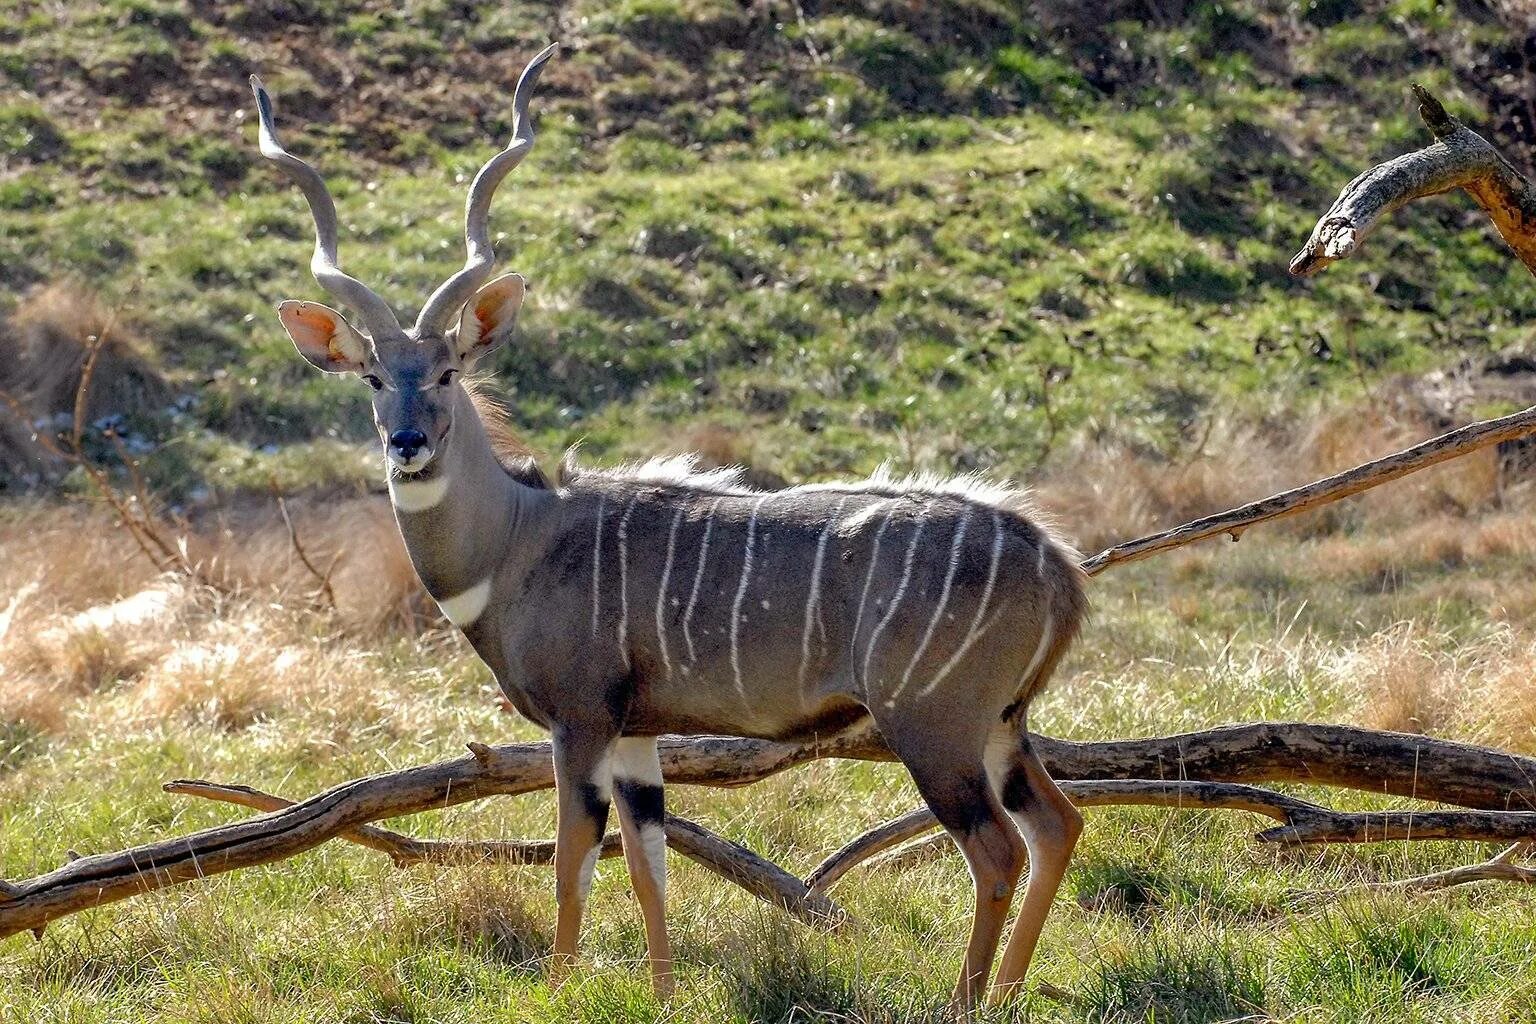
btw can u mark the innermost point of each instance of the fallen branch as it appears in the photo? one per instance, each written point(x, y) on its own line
point(1302, 821)
point(1459, 158)
point(1447, 446)
point(1499, 868)
point(732, 861)
point(1393, 763)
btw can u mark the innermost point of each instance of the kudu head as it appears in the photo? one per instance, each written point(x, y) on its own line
point(414, 372)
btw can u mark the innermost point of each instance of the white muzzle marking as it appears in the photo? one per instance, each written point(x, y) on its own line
point(417, 495)
point(463, 609)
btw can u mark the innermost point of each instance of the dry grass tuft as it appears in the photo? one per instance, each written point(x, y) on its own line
point(1112, 491)
point(42, 350)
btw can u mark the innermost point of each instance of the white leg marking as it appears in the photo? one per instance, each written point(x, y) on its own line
point(814, 599)
point(597, 561)
point(635, 759)
point(890, 613)
point(661, 592)
point(986, 597)
point(698, 578)
point(938, 613)
point(653, 843)
point(741, 593)
point(417, 495)
point(869, 577)
point(464, 608)
point(629, 510)
point(588, 870)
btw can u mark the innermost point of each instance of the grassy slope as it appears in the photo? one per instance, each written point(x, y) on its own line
point(957, 235)
point(707, 245)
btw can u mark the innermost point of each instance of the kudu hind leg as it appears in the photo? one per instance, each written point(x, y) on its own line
point(1051, 826)
point(637, 786)
point(583, 787)
point(962, 799)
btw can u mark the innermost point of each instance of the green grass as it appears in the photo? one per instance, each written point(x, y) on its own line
point(939, 242)
point(1164, 917)
point(944, 234)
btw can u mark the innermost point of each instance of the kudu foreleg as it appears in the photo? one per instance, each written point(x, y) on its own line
point(642, 817)
point(583, 787)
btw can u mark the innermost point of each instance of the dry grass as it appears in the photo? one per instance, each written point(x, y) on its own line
point(91, 627)
point(42, 349)
point(1112, 492)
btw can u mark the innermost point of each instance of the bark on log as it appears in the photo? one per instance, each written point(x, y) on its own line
point(1447, 446)
point(1395, 763)
point(1459, 158)
point(732, 861)
point(1302, 821)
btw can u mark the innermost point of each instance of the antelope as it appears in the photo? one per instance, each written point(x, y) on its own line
point(614, 606)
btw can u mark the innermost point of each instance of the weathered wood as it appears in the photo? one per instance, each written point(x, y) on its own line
point(1459, 158)
point(1395, 763)
point(732, 861)
point(1451, 445)
point(1302, 821)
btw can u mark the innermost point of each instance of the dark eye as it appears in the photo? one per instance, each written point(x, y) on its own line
point(446, 378)
point(372, 381)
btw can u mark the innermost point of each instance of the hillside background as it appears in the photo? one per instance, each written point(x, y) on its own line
point(958, 235)
point(1044, 241)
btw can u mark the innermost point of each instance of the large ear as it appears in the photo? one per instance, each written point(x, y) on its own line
point(324, 337)
point(488, 318)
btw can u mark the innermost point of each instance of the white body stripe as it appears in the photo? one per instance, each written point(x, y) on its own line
point(741, 593)
point(869, 577)
point(629, 510)
point(597, 562)
point(464, 608)
point(417, 495)
point(981, 608)
point(890, 613)
point(938, 613)
point(661, 593)
point(698, 578)
point(1040, 649)
point(813, 599)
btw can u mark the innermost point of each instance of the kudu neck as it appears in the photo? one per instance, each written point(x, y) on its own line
point(461, 519)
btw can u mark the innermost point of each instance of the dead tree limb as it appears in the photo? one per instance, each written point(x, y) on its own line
point(1302, 821)
point(1447, 446)
point(1459, 158)
point(1499, 868)
point(732, 861)
point(1381, 762)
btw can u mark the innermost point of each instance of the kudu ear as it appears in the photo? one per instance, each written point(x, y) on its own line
point(488, 318)
point(324, 337)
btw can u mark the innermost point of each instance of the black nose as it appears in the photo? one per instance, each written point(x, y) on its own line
point(407, 442)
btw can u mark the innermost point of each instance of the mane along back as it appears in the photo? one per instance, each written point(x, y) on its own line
point(684, 473)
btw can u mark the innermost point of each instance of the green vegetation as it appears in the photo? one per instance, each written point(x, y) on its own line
point(960, 234)
point(935, 233)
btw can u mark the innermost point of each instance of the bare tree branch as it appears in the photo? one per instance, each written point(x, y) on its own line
point(1381, 762)
point(1459, 158)
point(732, 861)
point(1447, 446)
point(1302, 821)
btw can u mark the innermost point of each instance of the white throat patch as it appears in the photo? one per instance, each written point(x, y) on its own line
point(417, 495)
point(463, 609)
